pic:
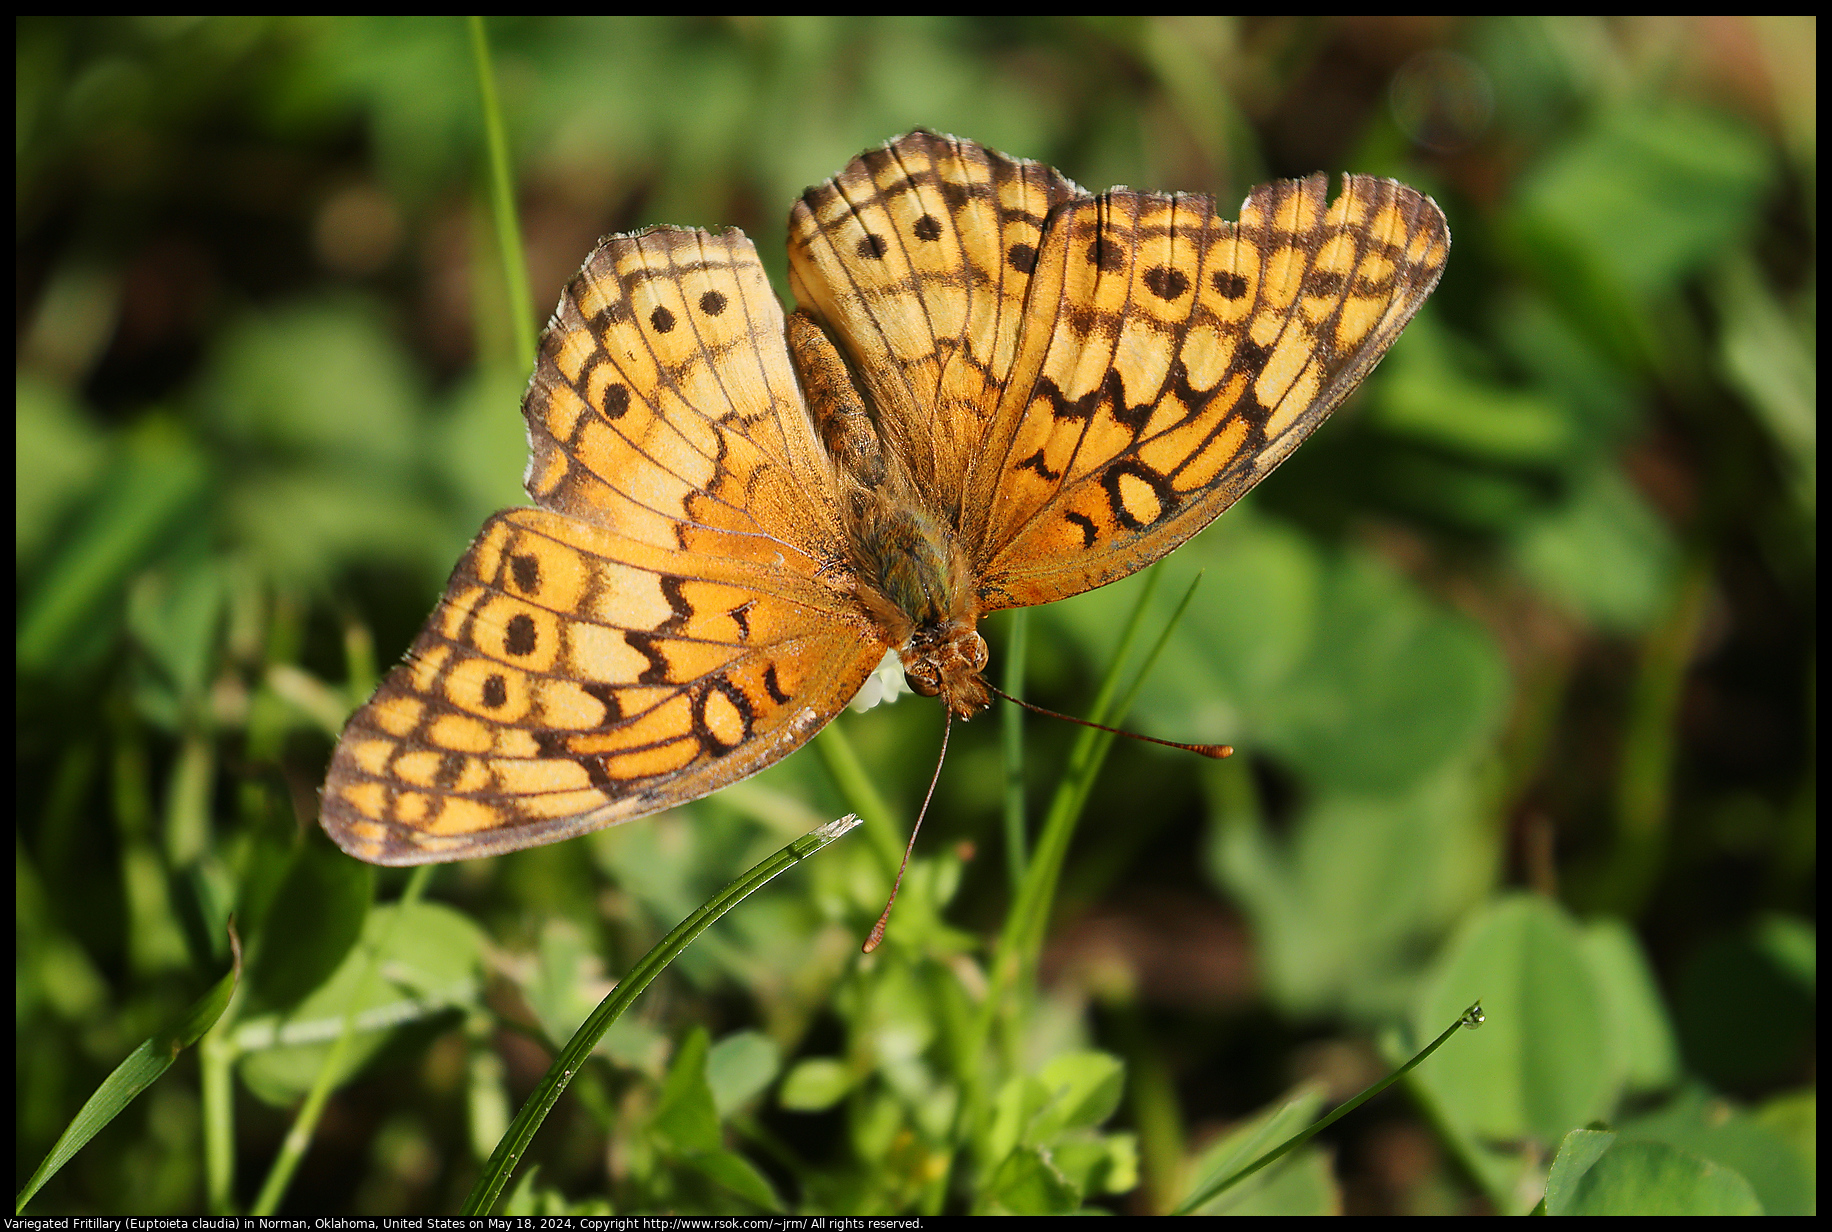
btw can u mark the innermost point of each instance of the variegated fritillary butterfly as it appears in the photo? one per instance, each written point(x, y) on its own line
point(997, 390)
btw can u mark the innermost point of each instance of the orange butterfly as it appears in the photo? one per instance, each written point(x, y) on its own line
point(997, 390)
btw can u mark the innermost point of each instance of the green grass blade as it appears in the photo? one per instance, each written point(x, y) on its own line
point(502, 201)
point(1030, 920)
point(1036, 890)
point(1029, 914)
point(1011, 721)
point(216, 1080)
point(1470, 1019)
point(159, 477)
point(514, 1144)
point(1644, 782)
point(138, 1072)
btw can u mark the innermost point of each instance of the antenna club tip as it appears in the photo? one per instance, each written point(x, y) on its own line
point(1217, 751)
point(877, 937)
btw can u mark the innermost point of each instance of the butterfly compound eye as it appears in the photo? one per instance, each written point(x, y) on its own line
point(922, 677)
point(977, 654)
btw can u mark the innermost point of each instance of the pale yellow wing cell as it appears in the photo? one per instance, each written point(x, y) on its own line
point(917, 259)
point(572, 678)
point(1172, 359)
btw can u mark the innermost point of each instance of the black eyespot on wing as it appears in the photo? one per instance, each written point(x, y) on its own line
point(519, 638)
point(1230, 284)
point(1166, 283)
point(1107, 254)
point(617, 397)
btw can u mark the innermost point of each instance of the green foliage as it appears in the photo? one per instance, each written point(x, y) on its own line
point(1599, 1174)
point(139, 1071)
point(431, 967)
point(1043, 1151)
point(1517, 652)
point(1300, 1184)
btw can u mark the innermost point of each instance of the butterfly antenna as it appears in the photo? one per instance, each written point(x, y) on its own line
point(877, 930)
point(1217, 751)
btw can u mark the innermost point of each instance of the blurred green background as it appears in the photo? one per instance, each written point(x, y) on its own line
point(1517, 651)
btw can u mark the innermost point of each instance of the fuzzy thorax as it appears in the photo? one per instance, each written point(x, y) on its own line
point(914, 580)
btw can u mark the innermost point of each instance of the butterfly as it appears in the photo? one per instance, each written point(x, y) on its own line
point(996, 390)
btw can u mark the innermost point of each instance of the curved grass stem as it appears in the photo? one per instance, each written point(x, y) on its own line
point(1471, 1018)
point(502, 201)
point(514, 1144)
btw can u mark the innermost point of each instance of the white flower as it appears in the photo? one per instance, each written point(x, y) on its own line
point(885, 684)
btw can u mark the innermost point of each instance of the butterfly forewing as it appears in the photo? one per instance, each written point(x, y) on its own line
point(917, 259)
point(664, 405)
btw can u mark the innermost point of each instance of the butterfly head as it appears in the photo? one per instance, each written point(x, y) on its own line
point(945, 660)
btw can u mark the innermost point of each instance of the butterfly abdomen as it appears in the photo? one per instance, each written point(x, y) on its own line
point(834, 402)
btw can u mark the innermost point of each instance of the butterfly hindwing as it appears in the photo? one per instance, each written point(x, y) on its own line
point(1171, 359)
point(571, 678)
